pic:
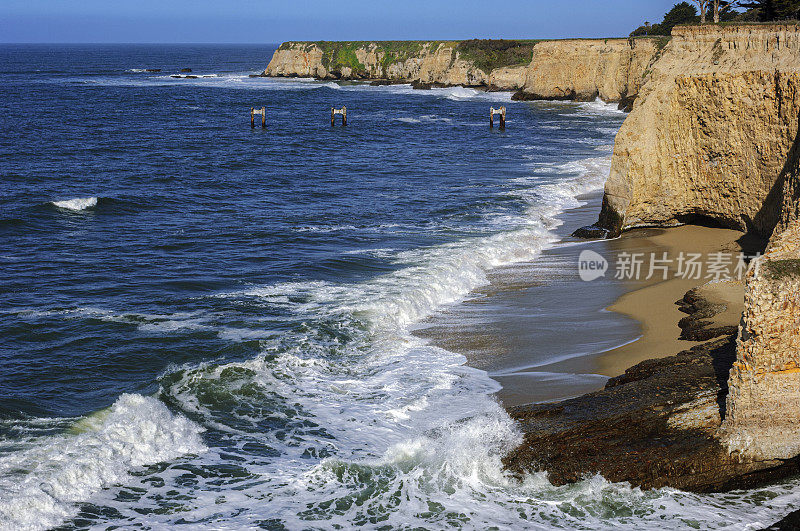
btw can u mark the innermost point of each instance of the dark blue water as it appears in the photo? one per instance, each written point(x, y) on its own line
point(208, 324)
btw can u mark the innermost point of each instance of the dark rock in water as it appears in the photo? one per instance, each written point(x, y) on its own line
point(654, 426)
point(383, 82)
point(609, 218)
point(790, 522)
point(186, 70)
point(262, 74)
point(626, 103)
point(420, 85)
point(522, 95)
point(695, 326)
point(152, 70)
point(591, 232)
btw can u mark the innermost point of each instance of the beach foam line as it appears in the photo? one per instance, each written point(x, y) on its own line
point(76, 204)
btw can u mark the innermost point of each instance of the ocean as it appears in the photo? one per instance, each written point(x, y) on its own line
point(212, 325)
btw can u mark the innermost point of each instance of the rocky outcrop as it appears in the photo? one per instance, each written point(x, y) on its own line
point(426, 62)
point(713, 137)
point(699, 325)
point(654, 426)
point(763, 403)
point(661, 423)
point(580, 69)
point(713, 134)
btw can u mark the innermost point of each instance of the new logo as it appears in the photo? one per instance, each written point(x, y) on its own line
point(591, 265)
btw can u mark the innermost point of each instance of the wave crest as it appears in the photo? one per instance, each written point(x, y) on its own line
point(76, 204)
point(41, 483)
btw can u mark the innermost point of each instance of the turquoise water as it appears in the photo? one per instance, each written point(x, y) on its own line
point(209, 325)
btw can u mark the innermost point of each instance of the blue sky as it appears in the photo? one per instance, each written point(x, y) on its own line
point(266, 21)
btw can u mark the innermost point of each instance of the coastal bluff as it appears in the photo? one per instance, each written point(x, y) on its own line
point(712, 139)
point(570, 69)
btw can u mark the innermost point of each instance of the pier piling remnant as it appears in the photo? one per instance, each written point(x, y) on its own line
point(501, 112)
point(342, 111)
point(263, 112)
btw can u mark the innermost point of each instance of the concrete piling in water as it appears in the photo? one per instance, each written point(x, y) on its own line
point(263, 112)
point(342, 111)
point(501, 112)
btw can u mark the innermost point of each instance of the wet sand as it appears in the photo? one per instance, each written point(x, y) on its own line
point(544, 334)
point(653, 303)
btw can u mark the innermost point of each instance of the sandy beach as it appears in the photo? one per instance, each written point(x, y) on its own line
point(544, 334)
point(652, 303)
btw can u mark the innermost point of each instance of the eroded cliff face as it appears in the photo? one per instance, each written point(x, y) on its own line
point(429, 62)
point(581, 69)
point(762, 419)
point(584, 69)
point(713, 133)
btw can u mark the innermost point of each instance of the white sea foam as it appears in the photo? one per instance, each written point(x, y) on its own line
point(243, 81)
point(599, 107)
point(41, 484)
point(412, 436)
point(161, 324)
point(79, 203)
point(425, 118)
point(385, 252)
point(460, 93)
point(199, 76)
point(395, 406)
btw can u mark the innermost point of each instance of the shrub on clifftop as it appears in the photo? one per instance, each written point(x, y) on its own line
point(682, 13)
point(488, 54)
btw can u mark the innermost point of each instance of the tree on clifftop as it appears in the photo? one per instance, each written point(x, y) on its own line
point(683, 13)
point(771, 10)
point(703, 5)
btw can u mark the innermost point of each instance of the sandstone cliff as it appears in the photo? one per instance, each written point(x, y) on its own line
point(713, 137)
point(713, 133)
point(612, 69)
point(582, 69)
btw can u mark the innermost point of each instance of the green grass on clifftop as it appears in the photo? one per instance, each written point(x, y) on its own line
point(339, 54)
point(488, 54)
point(485, 54)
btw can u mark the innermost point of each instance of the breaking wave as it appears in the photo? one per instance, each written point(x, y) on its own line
point(77, 204)
point(42, 482)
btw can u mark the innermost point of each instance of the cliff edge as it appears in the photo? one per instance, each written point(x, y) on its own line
point(762, 421)
point(573, 69)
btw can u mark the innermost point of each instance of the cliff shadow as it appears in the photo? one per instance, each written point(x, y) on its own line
point(722, 358)
point(780, 206)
